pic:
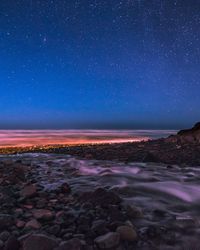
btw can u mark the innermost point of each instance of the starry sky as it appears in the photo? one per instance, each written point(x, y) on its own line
point(99, 63)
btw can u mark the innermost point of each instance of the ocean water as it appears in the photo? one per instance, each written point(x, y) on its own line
point(23, 138)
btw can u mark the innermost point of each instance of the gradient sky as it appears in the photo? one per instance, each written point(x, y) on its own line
point(99, 63)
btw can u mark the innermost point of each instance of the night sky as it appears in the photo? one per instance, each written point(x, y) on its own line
point(99, 63)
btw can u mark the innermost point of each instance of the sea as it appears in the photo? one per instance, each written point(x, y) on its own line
point(24, 138)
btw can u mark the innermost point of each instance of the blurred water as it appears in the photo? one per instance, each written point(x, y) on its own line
point(169, 196)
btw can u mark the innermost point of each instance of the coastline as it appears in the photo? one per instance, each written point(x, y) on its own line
point(158, 151)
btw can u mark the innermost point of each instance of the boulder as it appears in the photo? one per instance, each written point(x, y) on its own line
point(65, 218)
point(133, 212)
point(99, 227)
point(12, 244)
point(4, 235)
point(127, 233)
point(19, 172)
point(33, 224)
point(6, 221)
point(28, 191)
point(43, 214)
point(20, 223)
point(101, 197)
point(73, 244)
point(107, 241)
point(1, 244)
point(39, 242)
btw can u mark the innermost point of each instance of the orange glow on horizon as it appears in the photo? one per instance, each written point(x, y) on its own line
point(33, 138)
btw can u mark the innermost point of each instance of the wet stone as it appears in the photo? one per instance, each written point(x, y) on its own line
point(39, 242)
point(73, 244)
point(4, 235)
point(28, 191)
point(114, 224)
point(99, 227)
point(101, 197)
point(43, 214)
point(33, 224)
point(127, 233)
point(54, 230)
point(41, 203)
point(66, 218)
point(12, 244)
point(20, 223)
point(115, 213)
point(6, 221)
point(1, 244)
point(133, 212)
point(109, 240)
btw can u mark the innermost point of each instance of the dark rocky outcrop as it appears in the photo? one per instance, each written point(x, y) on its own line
point(187, 135)
point(194, 130)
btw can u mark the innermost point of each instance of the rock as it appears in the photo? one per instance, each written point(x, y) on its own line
point(6, 221)
point(19, 172)
point(12, 244)
point(33, 224)
point(87, 206)
point(99, 227)
point(28, 191)
point(114, 225)
point(79, 236)
point(16, 233)
point(39, 242)
point(68, 236)
point(115, 213)
point(19, 212)
point(1, 244)
point(54, 230)
point(41, 203)
point(195, 129)
point(4, 235)
point(133, 212)
point(188, 136)
point(150, 157)
point(22, 238)
point(65, 218)
point(102, 197)
point(127, 233)
point(28, 206)
point(109, 240)
point(43, 214)
point(8, 162)
point(83, 229)
point(20, 223)
point(73, 244)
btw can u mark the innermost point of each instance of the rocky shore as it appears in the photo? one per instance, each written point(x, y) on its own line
point(56, 202)
point(39, 210)
point(59, 202)
point(35, 218)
